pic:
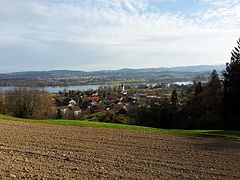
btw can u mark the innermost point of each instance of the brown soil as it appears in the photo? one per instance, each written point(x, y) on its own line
point(41, 151)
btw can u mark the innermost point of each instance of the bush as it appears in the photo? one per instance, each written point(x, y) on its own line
point(30, 103)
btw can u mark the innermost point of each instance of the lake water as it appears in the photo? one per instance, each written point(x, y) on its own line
point(55, 89)
point(183, 83)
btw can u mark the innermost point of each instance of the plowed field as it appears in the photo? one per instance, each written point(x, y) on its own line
point(43, 151)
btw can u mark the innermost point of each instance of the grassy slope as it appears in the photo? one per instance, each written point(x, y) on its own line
point(212, 133)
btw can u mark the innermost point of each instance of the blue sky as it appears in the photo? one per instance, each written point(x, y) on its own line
point(113, 34)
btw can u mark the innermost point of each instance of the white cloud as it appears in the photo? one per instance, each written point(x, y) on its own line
point(94, 34)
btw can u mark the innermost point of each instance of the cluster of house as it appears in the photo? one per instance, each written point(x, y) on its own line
point(75, 104)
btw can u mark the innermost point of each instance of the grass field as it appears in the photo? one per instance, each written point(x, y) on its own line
point(209, 133)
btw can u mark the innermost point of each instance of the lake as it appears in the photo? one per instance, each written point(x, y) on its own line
point(55, 89)
point(183, 83)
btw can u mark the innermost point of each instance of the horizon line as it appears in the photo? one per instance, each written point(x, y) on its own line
point(112, 69)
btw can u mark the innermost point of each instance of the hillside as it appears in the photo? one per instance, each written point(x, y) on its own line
point(42, 151)
point(126, 71)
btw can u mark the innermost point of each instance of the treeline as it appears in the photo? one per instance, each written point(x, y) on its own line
point(201, 108)
point(27, 103)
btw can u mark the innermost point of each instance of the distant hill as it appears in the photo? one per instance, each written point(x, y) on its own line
point(125, 71)
point(199, 68)
point(39, 74)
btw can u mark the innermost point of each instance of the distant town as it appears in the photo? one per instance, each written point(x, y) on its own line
point(123, 76)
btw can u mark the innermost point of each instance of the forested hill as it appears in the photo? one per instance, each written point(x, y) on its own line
point(125, 71)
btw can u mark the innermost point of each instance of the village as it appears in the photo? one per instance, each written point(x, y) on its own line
point(120, 100)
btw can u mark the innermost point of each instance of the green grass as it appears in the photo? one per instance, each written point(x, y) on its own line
point(208, 133)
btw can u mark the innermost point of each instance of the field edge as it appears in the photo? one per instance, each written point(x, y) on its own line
point(229, 134)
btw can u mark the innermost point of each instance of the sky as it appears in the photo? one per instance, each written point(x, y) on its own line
point(113, 34)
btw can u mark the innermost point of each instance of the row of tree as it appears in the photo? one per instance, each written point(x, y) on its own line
point(27, 103)
point(231, 95)
point(199, 109)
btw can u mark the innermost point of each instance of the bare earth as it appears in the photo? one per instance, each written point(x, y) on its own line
point(41, 151)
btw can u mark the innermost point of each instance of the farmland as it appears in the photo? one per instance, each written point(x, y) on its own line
point(40, 150)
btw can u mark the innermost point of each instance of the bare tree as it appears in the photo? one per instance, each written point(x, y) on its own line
point(29, 103)
point(2, 102)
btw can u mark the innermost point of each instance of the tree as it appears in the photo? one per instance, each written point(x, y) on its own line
point(174, 97)
point(211, 101)
point(213, 91)
point(174, 100)
point(30, 103)
point(2, 102)
point(231, 99)
point(215, 82)
point(21, 102)
point(59, 114)
point(45, 108)
point(198, 88)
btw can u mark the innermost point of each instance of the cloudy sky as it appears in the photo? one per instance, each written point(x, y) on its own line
point(113, 34)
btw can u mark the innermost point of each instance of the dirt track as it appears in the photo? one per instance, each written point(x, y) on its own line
point(31, 150)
